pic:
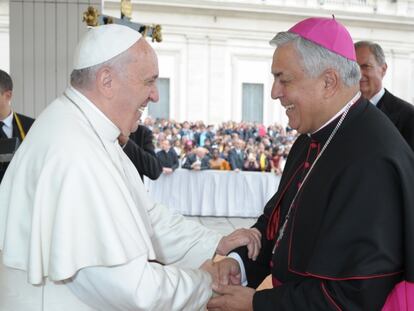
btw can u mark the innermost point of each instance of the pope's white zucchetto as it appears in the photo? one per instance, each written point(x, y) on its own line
point(100, 44)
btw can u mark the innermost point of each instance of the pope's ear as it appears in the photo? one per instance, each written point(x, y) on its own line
point(331, 81)
point(104, 81)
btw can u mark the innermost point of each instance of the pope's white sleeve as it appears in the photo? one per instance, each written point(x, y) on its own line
point(142, 285)
point(179, 241)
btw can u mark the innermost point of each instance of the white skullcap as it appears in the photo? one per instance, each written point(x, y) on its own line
point(100, 44)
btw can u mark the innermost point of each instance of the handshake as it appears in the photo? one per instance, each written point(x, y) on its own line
point(228, 294)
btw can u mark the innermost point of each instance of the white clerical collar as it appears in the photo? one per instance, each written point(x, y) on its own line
point(376, 98)
point(9, 120)
point(353, 101)
point(8, 125)
point(105, 127)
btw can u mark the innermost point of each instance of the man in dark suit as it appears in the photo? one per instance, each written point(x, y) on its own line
point(236, 156)
point(140, 150)
point(197, 161)
point(12, 124)
point(371, 60)
point(168, 157)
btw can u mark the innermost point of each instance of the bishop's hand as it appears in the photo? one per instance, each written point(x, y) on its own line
point(241, 237)
point(231, 298)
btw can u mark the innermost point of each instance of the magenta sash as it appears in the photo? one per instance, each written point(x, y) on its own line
point(401, 298)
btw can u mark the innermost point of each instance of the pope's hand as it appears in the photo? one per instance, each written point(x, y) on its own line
point(210, 267)
point(228, 271)
point(225, 271)
point(231, 298)
point(241, 237)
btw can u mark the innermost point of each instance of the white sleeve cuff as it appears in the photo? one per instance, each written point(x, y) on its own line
point(237, 257)
point(141, 285)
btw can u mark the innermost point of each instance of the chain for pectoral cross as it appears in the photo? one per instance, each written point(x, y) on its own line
point(283, 228)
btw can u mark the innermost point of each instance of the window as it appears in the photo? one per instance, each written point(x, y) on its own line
point(252, 109)
point(161, 109)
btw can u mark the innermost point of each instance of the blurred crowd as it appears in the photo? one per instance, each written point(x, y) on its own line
point(229, 146)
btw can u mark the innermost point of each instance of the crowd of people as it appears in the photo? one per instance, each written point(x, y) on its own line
point(228, 146)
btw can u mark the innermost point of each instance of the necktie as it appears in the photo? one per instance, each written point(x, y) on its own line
point(2, 133)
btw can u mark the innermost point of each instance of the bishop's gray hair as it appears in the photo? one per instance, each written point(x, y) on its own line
point(83, 78)
point(316, 59)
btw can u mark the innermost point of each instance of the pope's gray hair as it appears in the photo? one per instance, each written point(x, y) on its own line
point(316, 59)
point(83, 78)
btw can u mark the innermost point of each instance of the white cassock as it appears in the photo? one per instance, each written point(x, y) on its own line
point(79, 232)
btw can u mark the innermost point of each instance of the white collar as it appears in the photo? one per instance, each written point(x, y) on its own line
point(99, 121)
point(353, 101)
point(8, 122)
point(376, 98)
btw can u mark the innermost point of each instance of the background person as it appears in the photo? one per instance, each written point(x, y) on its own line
point(217, 163)
point(371, 60)
point(12, 124)
point(236, 155)
point(167, 157)
point(251, 163)
point(140, 149)
point(198, 160)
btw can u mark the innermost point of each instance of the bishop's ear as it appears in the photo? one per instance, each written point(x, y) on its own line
point(331, 82)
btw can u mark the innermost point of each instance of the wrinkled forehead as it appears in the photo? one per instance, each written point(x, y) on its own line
point(146, 60)
point(286, 59)
point(365, 53)
point(145, 50)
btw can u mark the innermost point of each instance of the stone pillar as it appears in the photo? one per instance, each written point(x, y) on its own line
point(43, 35)
point(401, 74)
point(4, 36)
point(197, 70)
point(218, 81)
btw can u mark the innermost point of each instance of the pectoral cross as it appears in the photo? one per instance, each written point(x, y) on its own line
point(92, 18)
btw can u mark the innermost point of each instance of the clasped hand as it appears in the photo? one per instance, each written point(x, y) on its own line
point(240, 237)
point(226, 274)
point(229, 295)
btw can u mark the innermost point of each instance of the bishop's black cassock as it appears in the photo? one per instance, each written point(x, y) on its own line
point(350, 236)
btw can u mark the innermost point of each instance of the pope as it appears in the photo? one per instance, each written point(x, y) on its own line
point(78, 231)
